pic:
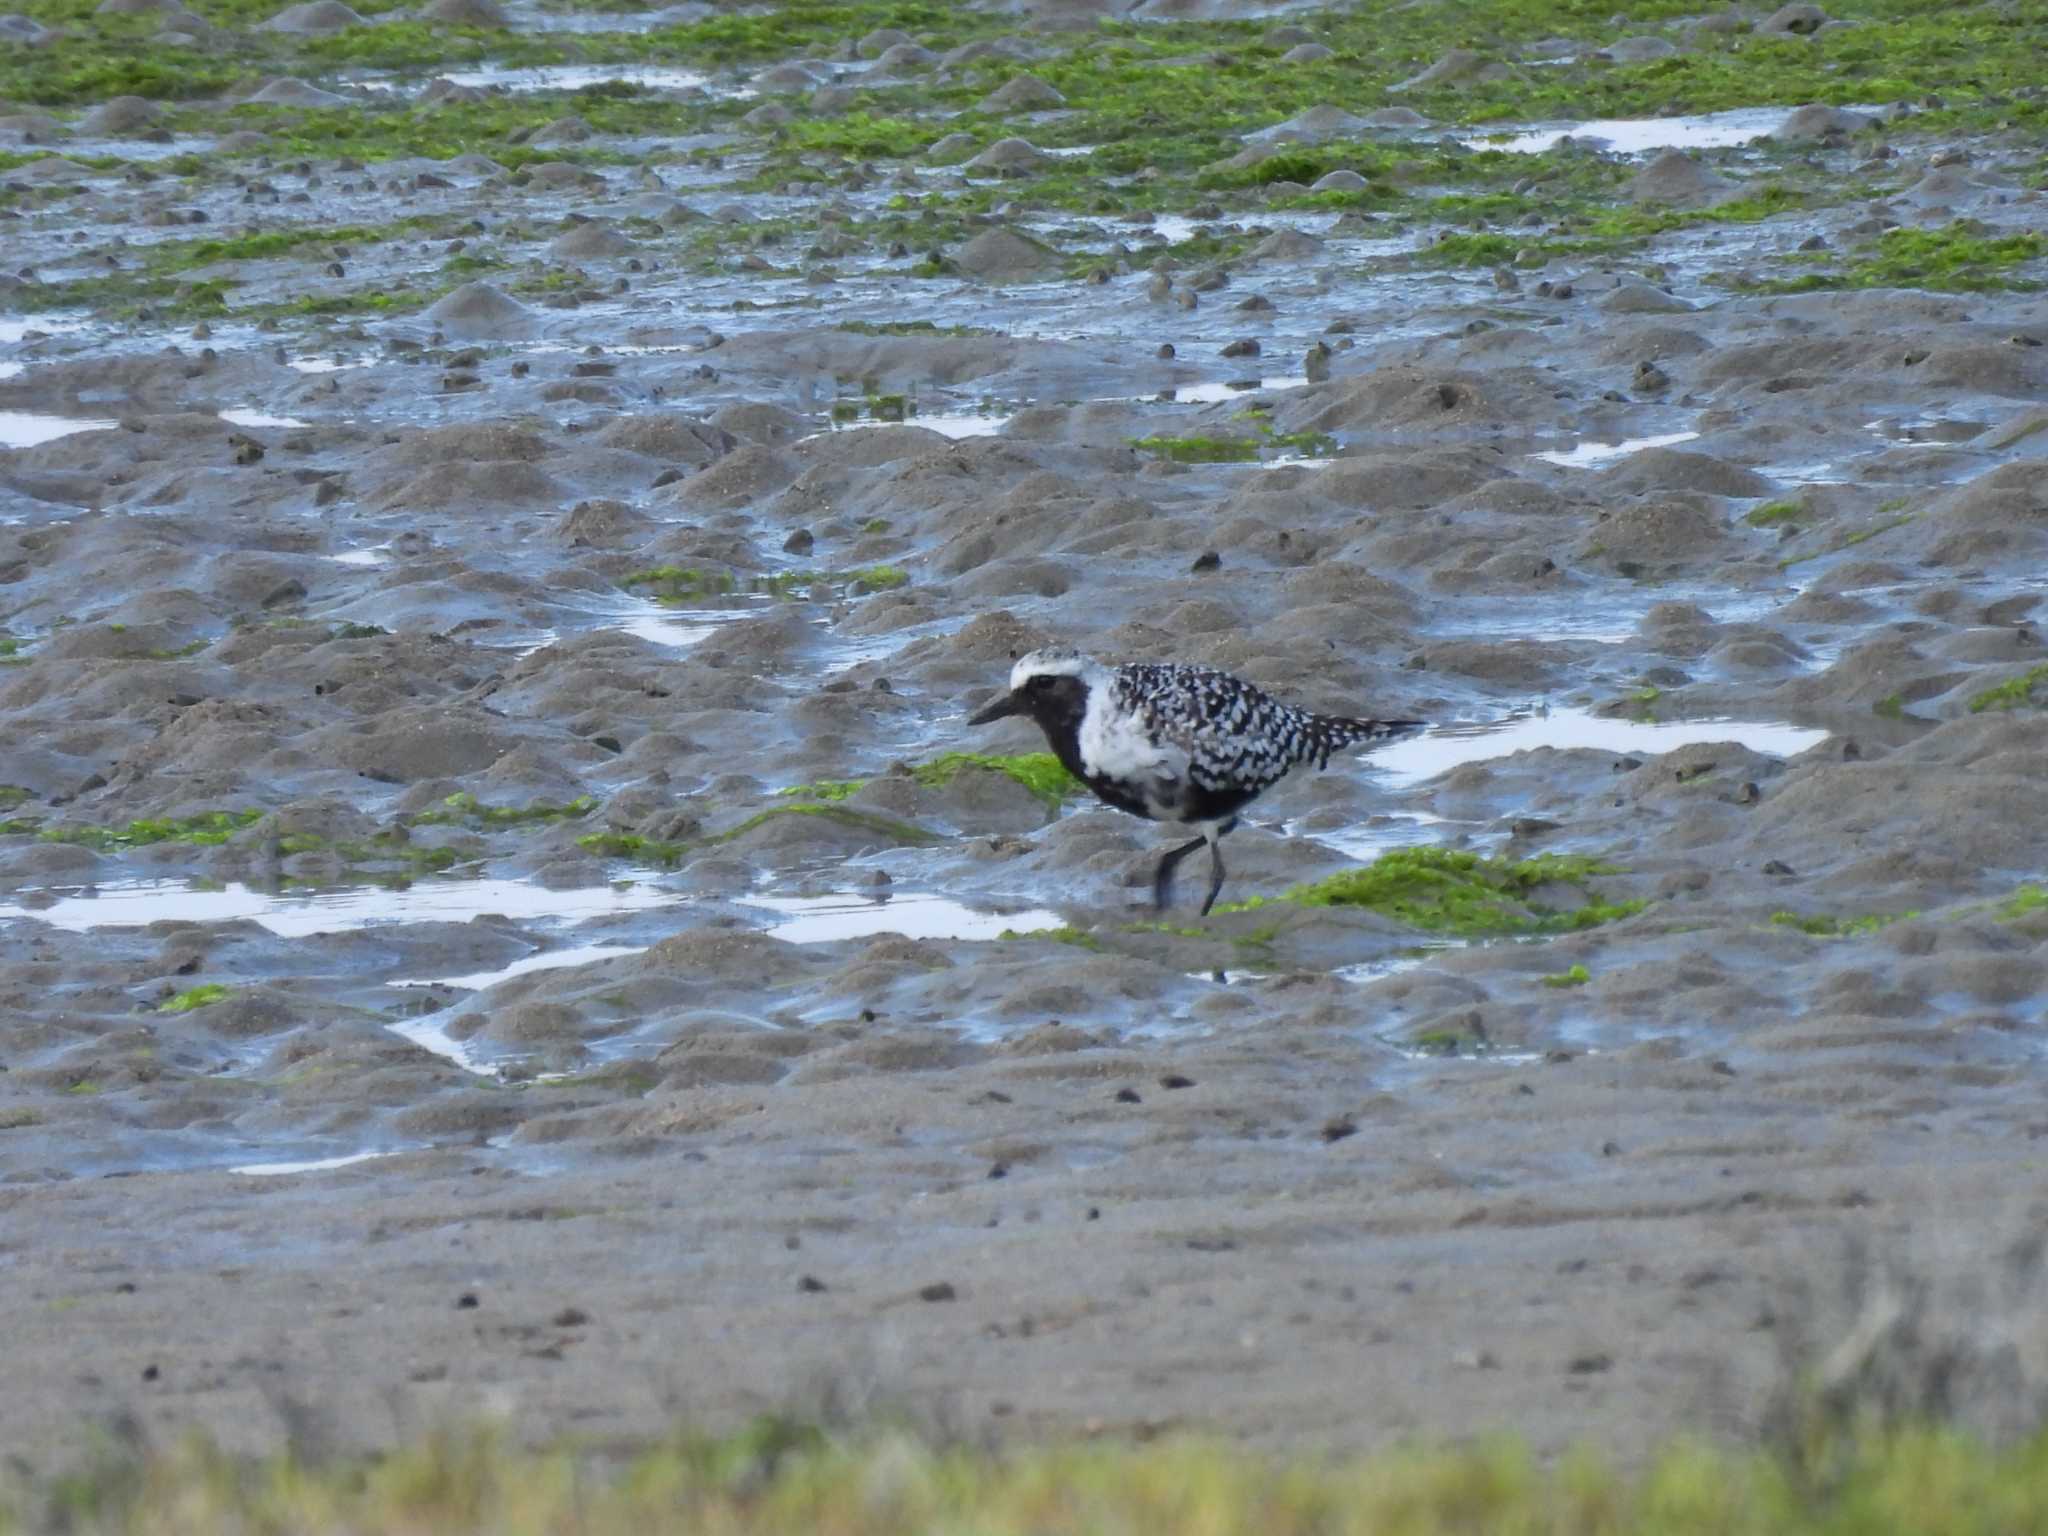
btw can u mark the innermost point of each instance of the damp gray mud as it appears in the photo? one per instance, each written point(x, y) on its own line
point(476, 705)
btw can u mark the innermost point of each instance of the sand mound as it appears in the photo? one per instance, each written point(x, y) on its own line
point(479, 312)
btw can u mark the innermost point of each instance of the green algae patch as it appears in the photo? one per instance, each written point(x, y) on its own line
point(1199, 450)
point(1824, 926)
point(464, 809)
point(667, 854)
point(631, 845)
point(1776, 514)
point(1963, 257)
point(1078, 938)
point(780, 1475)
point(1577, 976)
point(194, 998)
point(1039, 772)
point(1444, 890)
point(2026, 900)
point(902, 832)
point(2011, 694)
point(673, 584)
point(207, 829)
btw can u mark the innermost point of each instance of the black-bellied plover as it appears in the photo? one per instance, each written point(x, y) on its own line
point(1173, 743)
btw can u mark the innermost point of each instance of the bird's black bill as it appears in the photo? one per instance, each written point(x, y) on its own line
point(1000, 707)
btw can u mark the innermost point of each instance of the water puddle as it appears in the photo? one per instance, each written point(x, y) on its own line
point(12, 329)
point(828, 919)
point(954, 424)
point(545, 960)
point(560, 77)
point(372, 557)
point(25, 429)
point(1213, 394)
point(315, 1165)
point(249, 416)
point(327, 364)
point(1822, 473)
point(1640, 135)
point(1591, 455)
point(1417, 758)
point(1366, 841)
point(299, 914)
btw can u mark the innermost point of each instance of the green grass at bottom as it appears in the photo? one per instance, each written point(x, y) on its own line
point(1449, 891)
point(781, 1478)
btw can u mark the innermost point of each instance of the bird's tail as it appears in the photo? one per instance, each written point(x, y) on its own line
point(1332, 733)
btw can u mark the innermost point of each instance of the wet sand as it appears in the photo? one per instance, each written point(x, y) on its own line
point(432, 982)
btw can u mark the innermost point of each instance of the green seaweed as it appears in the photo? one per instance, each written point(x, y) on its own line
point(1823, 926)
point(1776, 514)
point(1577, 976)
point(1199, 450)
point(1445, 890)
point(845, 815)
point(1958, 258)
point(675, 584)
point(1039, 772)
point(194, 997)
point(668, 854)
point(632, 845)
point(465, 809)
point(2028, 898)
point(1079, 938)
point(207, 829)
point(2013, 692)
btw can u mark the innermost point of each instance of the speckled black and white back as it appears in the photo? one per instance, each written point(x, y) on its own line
point(1237, 737)
point(1175, 742)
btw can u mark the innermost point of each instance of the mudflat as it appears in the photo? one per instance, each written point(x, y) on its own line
point(505, 513)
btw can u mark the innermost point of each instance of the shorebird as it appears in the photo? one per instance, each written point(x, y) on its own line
point(1171, 742)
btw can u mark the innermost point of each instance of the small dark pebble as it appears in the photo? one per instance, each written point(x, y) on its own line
point(150, 1373)
point(1128, 1096)
point(465, 1301)
point(999, 1171)
point(1175, 1080)
point(571, 1317)
point(1094, 1213)
point(1207, 560)
point(940, 1291)
point(1339, 1128)
point(1610, 1149)
point(810, 1285)
point(1591, 1365)
point(1778, 867)
point(1721, 1067)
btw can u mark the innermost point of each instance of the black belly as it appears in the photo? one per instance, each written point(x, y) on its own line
point(1062, 734)
point(1195, 804)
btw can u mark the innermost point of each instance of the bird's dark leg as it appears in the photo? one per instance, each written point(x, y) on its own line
point(1214, 839)
point(1167, 864)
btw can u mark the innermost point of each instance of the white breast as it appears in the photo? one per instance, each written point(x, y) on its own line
point(1116, 745)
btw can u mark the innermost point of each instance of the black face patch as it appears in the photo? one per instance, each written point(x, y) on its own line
point(1056, 701)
